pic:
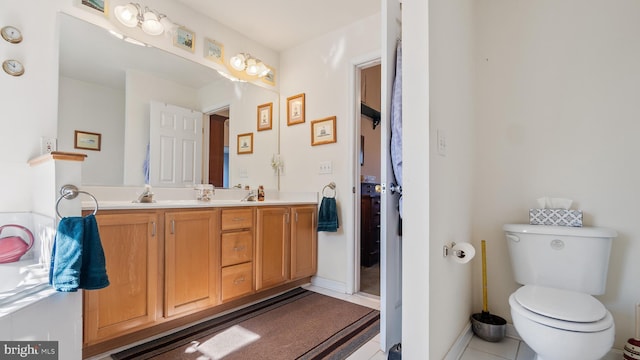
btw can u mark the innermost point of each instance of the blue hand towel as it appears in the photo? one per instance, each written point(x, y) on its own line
point(328, 215)
point(94, 271)
point(66, 255)
point(77, 258)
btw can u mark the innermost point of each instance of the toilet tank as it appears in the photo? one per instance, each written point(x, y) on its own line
point(572, 258)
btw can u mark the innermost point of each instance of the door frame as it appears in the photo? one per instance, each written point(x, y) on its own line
point(353, 252)
point(358, 65)
point(205, 135)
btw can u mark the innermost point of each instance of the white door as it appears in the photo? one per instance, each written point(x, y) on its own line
point(390, 240)
point(175, 146)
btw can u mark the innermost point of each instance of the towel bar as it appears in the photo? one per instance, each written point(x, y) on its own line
point(70, 192)
point(331, 186)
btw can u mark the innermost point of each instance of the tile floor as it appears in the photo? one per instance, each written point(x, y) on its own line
point(477, 349)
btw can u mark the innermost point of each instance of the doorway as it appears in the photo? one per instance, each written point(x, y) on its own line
point(370, 175)
point(217, 134)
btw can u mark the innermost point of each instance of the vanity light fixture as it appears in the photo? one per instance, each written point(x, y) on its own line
point(250, 65)
point(150, 21)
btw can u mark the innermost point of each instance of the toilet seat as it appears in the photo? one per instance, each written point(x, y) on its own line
point(561, 309)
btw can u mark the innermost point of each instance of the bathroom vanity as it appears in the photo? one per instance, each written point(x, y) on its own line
point(177, 263)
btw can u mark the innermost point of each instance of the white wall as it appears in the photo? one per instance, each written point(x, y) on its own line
point(450, 175)
point(322, 69)
point(28, 103)
point(371, 164)
point(557, 115)
point(90, 107)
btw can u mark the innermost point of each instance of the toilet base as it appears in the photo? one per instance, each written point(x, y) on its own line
point(554, 344)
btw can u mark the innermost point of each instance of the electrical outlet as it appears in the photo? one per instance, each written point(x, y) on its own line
point(325, 167)
point(47, 145)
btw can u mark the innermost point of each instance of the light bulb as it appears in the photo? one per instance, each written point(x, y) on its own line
point(127, 14)
point(238, 62)
point(151, 25)
point(263, 70)
point(252, 67)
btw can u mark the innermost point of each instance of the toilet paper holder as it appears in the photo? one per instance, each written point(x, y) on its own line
point(448, 250)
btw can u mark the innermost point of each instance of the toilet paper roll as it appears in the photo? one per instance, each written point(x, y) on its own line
point(463, 252)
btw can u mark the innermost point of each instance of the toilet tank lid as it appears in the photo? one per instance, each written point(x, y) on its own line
point(561, 230)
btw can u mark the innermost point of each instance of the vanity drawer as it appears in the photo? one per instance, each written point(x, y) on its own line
point(237, 280)
point(237, 219)
point(237, 247)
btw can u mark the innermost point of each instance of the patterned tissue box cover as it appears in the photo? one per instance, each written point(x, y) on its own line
point(558, 217)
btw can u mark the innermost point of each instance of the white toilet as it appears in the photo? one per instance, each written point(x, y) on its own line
point(560, 268)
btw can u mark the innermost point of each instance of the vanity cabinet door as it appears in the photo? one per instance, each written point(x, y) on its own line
point(130, 302)
point(191, 261)
point(272, 246)
point(304, 241)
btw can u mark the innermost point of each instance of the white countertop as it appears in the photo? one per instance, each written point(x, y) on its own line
point(171, 204)
point(122, 198)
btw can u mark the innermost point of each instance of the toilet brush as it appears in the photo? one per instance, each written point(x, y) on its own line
point(632, 347)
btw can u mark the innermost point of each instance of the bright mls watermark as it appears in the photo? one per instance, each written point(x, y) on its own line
point(30, 350)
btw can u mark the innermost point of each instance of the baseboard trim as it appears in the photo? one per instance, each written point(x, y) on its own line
point(332, 285)
point(460, 344)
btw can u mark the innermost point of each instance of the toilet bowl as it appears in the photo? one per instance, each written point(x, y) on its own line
point(561, 324)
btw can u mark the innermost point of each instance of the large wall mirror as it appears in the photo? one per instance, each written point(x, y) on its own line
point(106, 86)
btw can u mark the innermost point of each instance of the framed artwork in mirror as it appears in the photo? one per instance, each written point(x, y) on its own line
point(87, 140)
point(97, 5)
point(214, 51)
point(265, 116)
point(185, 39)
point(295, 109)
point(245, 143)
point(323, 131)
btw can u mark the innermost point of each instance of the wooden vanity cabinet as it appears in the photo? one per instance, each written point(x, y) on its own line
point(304, 241)
point(191, 261)
point(286, 244)
point(272, 246)
point(170, 267)
point(236, 253)
point(130, 242)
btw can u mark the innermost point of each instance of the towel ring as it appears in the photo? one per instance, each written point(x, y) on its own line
point(332, 187)
point(70, 192)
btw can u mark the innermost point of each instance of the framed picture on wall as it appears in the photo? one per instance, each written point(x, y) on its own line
point(213, 51)
point(323, 131)
point(101, 6)
point(87, 140)
point(185, 39)
point(295, 109)
point(245, 143)
point(265, 114)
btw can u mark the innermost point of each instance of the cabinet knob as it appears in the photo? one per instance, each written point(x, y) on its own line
point(238, 280)
point(238, 248)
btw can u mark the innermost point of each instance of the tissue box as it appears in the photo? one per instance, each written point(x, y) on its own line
point(559, 217)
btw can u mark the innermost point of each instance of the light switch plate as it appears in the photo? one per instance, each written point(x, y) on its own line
point(325, 167)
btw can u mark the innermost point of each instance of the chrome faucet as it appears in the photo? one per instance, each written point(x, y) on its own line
point(251, 196)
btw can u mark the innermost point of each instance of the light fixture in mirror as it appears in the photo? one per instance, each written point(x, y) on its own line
point(244, 63)
point(150, 21)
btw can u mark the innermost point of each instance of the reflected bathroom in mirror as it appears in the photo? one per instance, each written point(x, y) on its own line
point(107, 86)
